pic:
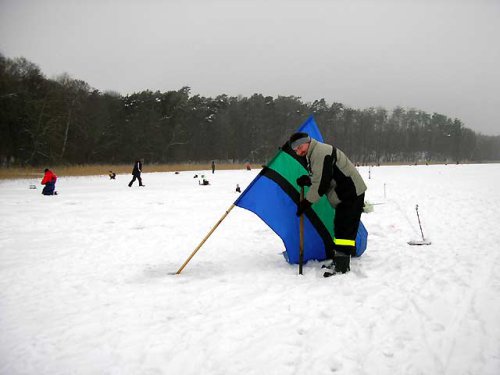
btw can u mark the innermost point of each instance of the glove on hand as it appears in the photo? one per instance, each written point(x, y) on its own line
point(303, 206)
point(304, 180)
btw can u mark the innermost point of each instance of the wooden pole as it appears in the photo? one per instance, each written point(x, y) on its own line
point(301, 234)
point(203, 241)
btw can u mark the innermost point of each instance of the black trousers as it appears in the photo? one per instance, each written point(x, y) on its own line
point(346, 223)
point(138, 177)
point(49, 188)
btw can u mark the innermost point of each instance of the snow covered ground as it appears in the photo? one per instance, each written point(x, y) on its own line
point(86, 284)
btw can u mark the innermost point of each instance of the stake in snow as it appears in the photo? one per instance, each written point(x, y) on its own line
point(423, 241)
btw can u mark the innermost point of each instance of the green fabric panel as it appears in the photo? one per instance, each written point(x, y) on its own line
point(290, 169)
point(287, 167)
point(325, 212)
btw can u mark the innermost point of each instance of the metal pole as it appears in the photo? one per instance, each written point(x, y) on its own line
point(301, 234)
point(419, 224)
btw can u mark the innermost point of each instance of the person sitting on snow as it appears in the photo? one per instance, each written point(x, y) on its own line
point(49, 180)
point(112, 175)
point(203, 182)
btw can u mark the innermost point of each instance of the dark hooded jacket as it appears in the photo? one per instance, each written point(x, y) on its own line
point(137, 168)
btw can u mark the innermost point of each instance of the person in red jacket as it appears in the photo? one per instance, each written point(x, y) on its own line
point(49, 180)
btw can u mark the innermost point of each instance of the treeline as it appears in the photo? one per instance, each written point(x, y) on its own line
point(65, 121)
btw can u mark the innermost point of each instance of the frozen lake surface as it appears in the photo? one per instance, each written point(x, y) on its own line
point(86, 284)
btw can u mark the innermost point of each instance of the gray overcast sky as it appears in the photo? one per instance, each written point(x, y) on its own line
point(435, 55)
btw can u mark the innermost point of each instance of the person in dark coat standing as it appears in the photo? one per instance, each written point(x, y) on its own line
point(49, 180)
point(213, 166)
point(136, 172)
point(332, 174)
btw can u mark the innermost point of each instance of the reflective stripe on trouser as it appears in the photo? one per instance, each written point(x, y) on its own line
point(344, 246)
point(343, 242)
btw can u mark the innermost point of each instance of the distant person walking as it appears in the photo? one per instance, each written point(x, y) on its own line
point(213, 166)
point(136, 172)
point(49, 180)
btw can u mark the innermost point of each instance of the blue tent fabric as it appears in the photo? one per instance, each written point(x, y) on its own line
point(274, 200)
point(268, 201)
point(361, 240)
point(310, 127)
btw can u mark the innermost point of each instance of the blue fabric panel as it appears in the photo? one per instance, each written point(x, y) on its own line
point(310, 127)
point(361, 239)
point(268, 201)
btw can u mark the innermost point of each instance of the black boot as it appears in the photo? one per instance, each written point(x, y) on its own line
point(342, 262)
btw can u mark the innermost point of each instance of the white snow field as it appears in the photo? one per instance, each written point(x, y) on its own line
point(86, 283)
